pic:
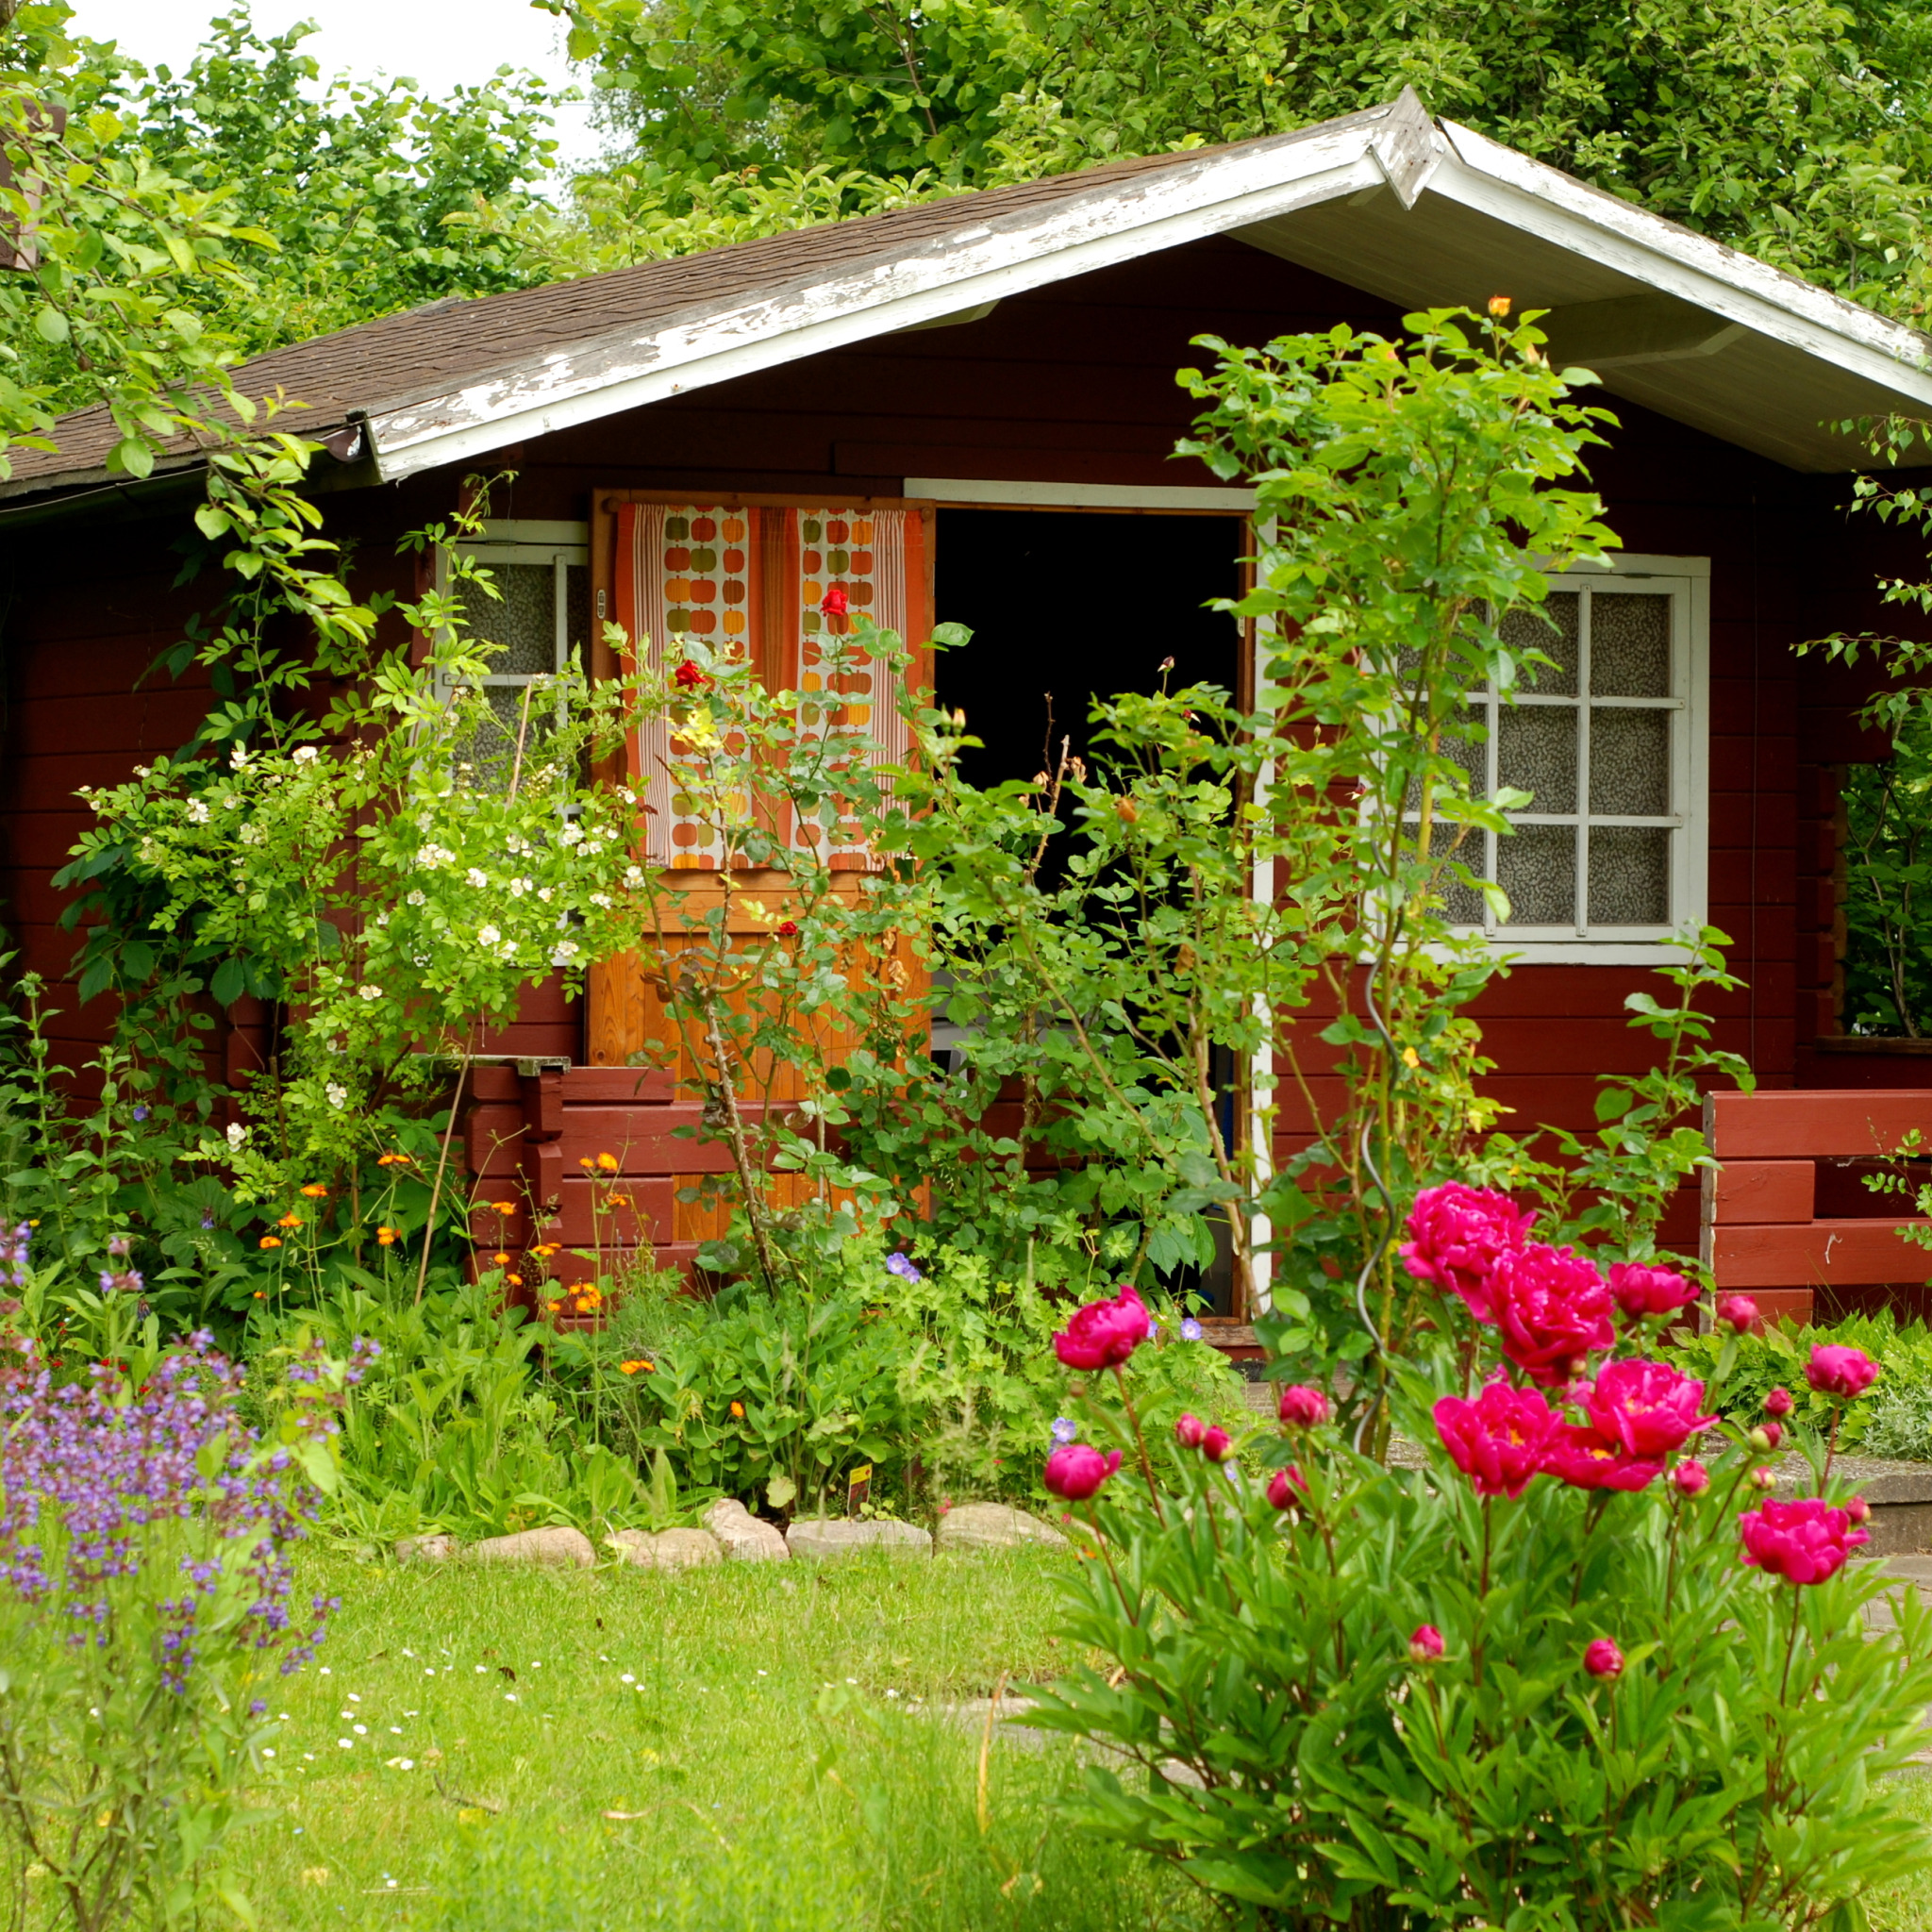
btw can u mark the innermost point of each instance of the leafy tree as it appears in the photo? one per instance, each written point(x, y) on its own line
point(1798, 131)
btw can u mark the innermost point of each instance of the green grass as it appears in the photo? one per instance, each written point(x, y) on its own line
point(763, 1732)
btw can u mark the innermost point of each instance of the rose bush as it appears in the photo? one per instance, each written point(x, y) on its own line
point(1577, 1670)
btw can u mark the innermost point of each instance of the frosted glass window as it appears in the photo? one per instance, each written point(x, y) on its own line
point(540, 622)
point(1600, 738)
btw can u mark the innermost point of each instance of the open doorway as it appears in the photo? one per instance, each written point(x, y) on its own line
point(1068, 606)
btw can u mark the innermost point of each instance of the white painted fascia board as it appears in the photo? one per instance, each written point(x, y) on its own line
point(977, 262)
point(1495, 180)
point(965, 490)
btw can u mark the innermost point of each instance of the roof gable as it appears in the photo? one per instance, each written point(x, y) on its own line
point(1416, 211)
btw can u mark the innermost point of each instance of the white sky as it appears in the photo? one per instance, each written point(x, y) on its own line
point(438, 42)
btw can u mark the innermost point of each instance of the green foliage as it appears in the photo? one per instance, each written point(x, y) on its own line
point(1887, 962)
point(1732, 1775)
point(1797, 132)
point(939, 1384)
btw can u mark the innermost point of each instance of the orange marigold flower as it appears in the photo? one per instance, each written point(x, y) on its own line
point(316, 1191)
point(632, 1367)
point(386, 1236)
point(591, 1296)
point(514, 1281)
point(585, 1161)
point(505, 1206)
point(289, 1221)
point(555, 1306)
point(501, 1259)
point(270, 1240)
point(738, 1409)
point(607, 1162)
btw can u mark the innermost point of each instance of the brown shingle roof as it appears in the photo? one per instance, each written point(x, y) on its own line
point(420, 354)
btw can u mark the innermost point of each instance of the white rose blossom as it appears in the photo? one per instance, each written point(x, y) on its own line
point(305, 754)
point(571, 832)
point(369, 990)
point(633, 875)
point(433, 855)
point(198, 814)
point(518, 888)
point(488, 936)
point(564, 952)
point(416, 897)
point(477, 877)
point(337, 1093)
point(238, 1134)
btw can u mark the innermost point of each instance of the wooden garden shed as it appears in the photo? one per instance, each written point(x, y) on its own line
point(967, 411)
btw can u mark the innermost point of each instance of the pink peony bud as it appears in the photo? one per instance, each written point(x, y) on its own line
point(1692, 1478)
point(1217, 1445)
point(1425, 1646)
point(1836, 1370)
point(1075, 1469)
point(1604, 1659)
point(1762, 1479)
point(1456, 1236)
point(1303, 1408)
point(1498, 1439)
point(1805, 1539)
point(1644, 1291)
point(1103, 1334)
point(1774, 1433)
point(1858, 1509)
point(1779, 1403)
point(1288, 1487)
point(1740, 1310)
point(1188, 1431)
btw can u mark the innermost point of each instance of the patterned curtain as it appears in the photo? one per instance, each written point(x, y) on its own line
point(752, 581)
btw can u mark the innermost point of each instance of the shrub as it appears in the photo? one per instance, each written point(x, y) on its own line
point(1574, 1672)
point(145, 1612)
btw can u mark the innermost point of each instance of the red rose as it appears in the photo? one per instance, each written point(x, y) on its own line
point(689, 677)
point(1103, 1334)
point(788, 929)
point(834, 603)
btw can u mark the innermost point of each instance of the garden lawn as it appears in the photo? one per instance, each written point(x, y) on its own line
point(542, 1751)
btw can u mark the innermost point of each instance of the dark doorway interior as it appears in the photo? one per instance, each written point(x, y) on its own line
point(1065, 605)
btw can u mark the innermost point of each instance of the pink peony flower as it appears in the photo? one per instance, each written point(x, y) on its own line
point(1779, 1403)
point(1836, 1370)
point(1425, 1646)
point(1650, 1407)
point(1587, 1460)
point(1740, 1310)
point(1288, 1487)
point(1640, 1290)
point(1457, 1234)
point(1553, 1309)
point(1103, 1334)
point(1303, 1408)
point(1498, 1439)
point(1805, 1540)
point(1691, 1477)
point(1188, 1431)
point(1217, 1445)
point(1075, 1469)
point(1604, 1659)
point(1858, 1509)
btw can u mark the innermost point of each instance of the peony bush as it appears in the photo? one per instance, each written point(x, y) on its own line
point(1572, 1664)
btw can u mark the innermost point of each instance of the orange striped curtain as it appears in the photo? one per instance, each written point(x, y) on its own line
point(751, 581)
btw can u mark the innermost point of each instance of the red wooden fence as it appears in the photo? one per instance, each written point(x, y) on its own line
point(1762, 1234)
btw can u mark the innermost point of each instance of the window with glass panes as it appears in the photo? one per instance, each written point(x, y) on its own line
point(540, 620)
point(1608, 738)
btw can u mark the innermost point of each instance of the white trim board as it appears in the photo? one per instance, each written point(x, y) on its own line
point(990, 255)
point(963, 490)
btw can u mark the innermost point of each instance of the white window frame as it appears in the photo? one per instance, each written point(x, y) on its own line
point(561, 545)
point(1687, 579)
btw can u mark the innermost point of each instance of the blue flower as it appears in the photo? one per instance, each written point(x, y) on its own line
point(141, 1113)
point(1064, 1429)
point(902, 1266)
point(1190, 1329)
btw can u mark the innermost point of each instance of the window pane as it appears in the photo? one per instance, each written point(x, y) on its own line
point(1463, 905)
point(1630, 762)
point(1629, 875)
point(1537, 866)
point(577, 595)
point(521, 618)
point(1552, 630)
point(1537, 753)
point(1630, 646)
point(1467, 748)
point(484, 759)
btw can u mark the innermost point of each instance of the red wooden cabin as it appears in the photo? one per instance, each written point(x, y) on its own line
point(987, 384)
